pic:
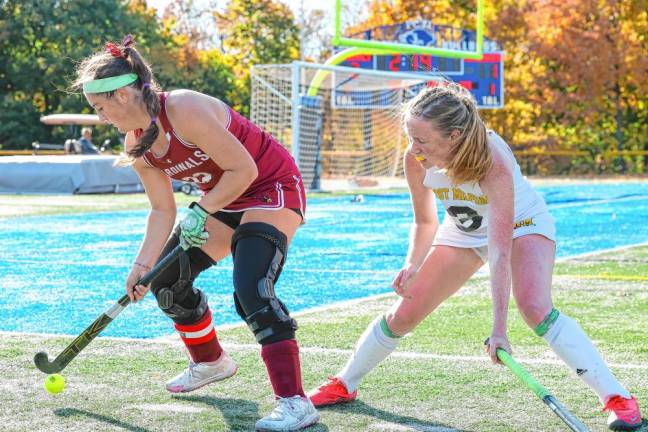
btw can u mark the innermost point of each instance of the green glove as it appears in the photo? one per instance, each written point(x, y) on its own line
point(192, 227)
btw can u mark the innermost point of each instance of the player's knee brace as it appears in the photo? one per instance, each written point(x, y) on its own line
point(173, 288)
point(259, 252)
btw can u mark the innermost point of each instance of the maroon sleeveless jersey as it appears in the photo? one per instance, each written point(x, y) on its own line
point(278, 184)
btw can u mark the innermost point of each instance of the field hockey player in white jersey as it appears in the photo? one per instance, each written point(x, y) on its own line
point(492, 215)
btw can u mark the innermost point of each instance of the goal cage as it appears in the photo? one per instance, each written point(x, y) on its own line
point(342, 125)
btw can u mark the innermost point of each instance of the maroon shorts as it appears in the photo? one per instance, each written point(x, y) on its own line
point(287, 192)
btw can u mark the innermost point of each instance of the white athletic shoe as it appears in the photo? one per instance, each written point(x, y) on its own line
point(201, 374)
point(290, 414)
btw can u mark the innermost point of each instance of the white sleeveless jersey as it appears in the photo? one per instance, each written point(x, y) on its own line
point(467, 206)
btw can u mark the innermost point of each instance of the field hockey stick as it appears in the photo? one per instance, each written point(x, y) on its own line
point(58, 364)
point(570, 420)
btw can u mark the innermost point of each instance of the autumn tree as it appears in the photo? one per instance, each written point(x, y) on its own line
point(315, 37)
point(257, 32)
point(575, 70)
point(595, 52)
point(192, 58)
point(504, 23)
point(194, 20)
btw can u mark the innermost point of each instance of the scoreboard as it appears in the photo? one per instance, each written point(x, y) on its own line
point(483, 78)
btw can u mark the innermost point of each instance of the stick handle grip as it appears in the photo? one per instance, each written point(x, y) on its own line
point(155, 271)
point(161, 265)
point(522, 374)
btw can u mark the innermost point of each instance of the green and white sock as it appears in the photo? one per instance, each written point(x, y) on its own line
point(568, 340)
point(375, 344)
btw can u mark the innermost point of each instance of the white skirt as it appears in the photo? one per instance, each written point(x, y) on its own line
point(449, 235)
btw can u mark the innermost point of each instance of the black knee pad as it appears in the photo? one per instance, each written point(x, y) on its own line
point(259, 252)
point(173, 288)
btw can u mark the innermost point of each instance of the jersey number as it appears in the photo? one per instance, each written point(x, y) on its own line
point(199, 177)
point(467, 219)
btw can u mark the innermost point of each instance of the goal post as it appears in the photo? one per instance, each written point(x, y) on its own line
point(342, 125)
point(405, 48)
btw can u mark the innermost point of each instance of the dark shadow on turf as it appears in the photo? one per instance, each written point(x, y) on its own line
point(73, 412)
point(359, 407)
point(239, 414)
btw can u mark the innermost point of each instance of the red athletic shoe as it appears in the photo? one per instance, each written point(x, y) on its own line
point(624, 414)
point(332, 392)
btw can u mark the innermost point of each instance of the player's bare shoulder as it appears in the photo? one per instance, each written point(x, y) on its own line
point(189, 106)
point(502, 159)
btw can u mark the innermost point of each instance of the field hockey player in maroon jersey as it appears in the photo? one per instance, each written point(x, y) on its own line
point(253, 203)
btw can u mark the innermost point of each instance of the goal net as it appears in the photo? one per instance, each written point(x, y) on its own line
point(342, 125)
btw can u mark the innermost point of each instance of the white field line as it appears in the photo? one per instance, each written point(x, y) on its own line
point(595, 201)
point(601, 251)
point(408, 427)
point(410, 355)
point(173, 340)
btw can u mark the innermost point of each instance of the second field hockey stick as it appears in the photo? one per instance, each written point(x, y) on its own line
point(559, 409)
point(58, 364)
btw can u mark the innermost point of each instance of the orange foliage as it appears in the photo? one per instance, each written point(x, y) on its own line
point(576, 71)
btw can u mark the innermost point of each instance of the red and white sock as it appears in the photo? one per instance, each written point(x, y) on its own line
point(200, 339)
point(284, 368)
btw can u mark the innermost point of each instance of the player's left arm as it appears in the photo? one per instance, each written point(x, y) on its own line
point(498, 186)
point(200, 120)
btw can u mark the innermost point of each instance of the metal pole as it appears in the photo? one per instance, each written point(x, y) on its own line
point(295, 111)
point(302, 20)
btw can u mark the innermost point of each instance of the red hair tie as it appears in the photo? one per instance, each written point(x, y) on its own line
point(113, 50)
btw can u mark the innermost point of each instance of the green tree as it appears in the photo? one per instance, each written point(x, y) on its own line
point(39, 44)
point(257, 32)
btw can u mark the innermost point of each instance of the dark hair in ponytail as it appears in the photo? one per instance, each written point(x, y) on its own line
point(119, 59)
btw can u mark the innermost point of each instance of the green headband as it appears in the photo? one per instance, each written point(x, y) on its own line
point(109, 84)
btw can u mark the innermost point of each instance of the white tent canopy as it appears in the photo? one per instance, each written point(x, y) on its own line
point(71, 119)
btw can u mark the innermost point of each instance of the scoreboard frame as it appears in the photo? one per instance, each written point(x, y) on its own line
point(483, 78)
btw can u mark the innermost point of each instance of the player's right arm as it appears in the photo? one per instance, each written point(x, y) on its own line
point(425, 223)
point(159, 223)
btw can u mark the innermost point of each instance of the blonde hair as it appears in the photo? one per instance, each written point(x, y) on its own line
point(119, 59)
point(451, 107)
